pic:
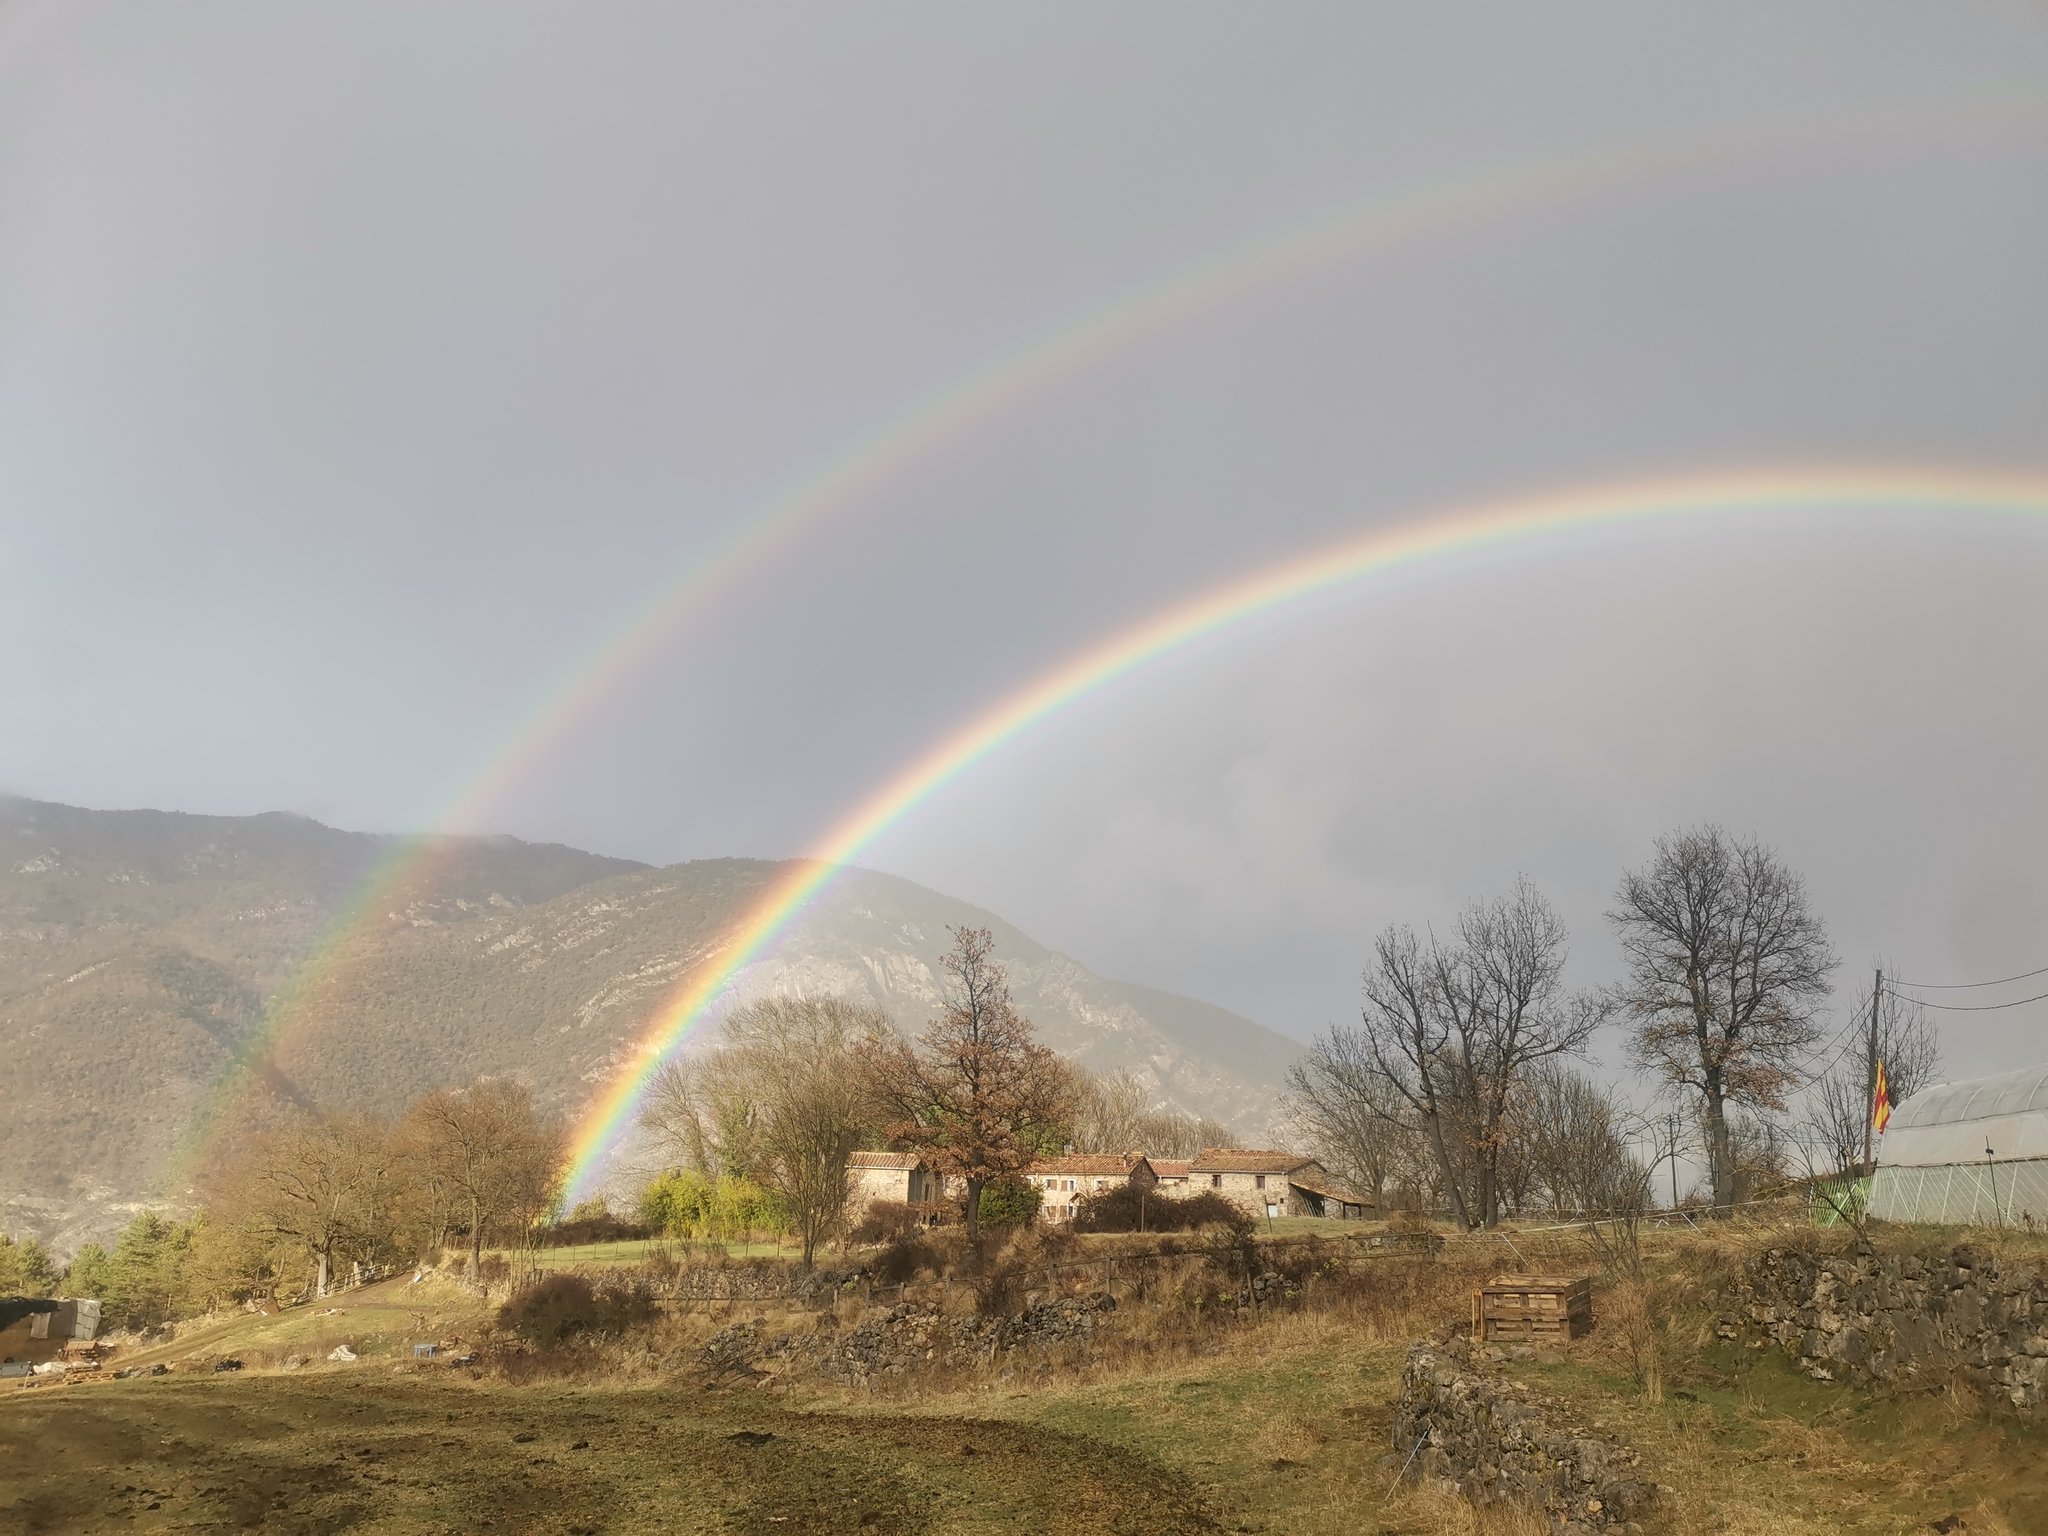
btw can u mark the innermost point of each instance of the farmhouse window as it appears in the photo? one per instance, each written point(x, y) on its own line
point(1258, 1181)
point(1215, 1181)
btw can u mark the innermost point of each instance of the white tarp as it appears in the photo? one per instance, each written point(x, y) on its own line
point(1931, 1163)
point(1953, 1122)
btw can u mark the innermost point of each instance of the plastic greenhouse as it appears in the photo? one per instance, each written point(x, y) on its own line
point(1963, 1153)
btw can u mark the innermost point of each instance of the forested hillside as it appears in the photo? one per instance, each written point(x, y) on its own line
point(142, 952)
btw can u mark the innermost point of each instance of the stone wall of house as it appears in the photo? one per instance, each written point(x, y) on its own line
point(1242, 1189)
point(902, 1340)
point(1470, 1432)
point(1884, 1316)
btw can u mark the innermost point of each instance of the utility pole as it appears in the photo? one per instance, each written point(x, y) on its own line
point(1870, 1074)
point(1674, 1162)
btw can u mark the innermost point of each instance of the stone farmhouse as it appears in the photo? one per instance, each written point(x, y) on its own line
point(1266, 1183)
point(901, 1177)
point(1260, 1183)
point(1062, 1181)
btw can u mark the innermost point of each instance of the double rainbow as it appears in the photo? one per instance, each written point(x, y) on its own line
point(1184, 298)
point(611, 1114)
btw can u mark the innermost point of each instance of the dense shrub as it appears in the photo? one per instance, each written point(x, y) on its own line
point(883, 1221)
point(1008, 1203)
point(600, 1226)
point(684, 1203)
point(1003, 1271)
point(1127, 1208)
point(905, 1258)
point(557, 1307)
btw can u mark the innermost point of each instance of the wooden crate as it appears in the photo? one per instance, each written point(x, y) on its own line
point(1533, 1309)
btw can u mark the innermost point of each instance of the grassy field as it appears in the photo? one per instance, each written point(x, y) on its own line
point(1276, 1428)
point(639, 1251)
point(377, 1321)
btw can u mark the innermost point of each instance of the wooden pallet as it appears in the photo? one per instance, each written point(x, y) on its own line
point(1533, 1309)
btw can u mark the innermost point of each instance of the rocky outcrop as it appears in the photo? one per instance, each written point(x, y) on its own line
point(1886, 1316)
point(1495, 1442)
point(905, 1339)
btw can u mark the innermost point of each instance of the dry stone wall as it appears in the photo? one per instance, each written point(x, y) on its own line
point(903, 1340)
point(1495, 1442)
point(751, 1282)
point(1888, 1316)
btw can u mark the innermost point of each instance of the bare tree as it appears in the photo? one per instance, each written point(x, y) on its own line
point(976, 1093)
point(493, 1153)
point(1728, 966)
point(1175, 1133)
point(780, 1100)
point(1358, 1127)
point(1400, 1043)
point(1109, 1113)
point(1448, 1028)
point(704, 1116)
point(1670, 1131)
point(317, 1185)
point(1572, 1133)
point(1510, 1011)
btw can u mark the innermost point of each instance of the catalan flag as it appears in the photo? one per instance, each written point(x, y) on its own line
point(1881, 1104)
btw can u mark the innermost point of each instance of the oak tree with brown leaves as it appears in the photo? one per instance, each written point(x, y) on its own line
point(975, 1093)
point(1728, 971)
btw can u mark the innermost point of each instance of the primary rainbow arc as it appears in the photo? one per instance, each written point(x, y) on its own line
point(610, 1115)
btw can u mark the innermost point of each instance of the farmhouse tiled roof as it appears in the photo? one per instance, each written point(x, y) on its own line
point(901, 1162)
point(1246, 1160)
point(1172, 1167)
point(1096, 1164)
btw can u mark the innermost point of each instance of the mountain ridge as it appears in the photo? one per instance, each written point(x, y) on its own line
point(142, 953)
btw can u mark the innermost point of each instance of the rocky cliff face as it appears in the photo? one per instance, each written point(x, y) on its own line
point(144, 954)
point(1883, 1316)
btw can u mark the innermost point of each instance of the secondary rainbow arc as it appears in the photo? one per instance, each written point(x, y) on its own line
point(611, 1113)
point(1183, 298)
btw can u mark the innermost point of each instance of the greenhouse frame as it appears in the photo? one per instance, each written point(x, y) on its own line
point(1972, 1153)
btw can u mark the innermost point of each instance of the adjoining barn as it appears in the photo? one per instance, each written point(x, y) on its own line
point(1174, 1173)
point(1325, 1199)
point(1970, 1152)
point(1062, 1181)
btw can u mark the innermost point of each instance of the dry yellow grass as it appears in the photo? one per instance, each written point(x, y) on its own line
point(1186, 1420)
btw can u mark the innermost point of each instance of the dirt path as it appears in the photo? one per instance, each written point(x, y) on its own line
point(353, 1450)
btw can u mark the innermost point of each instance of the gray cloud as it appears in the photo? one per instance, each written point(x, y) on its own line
point(359, 370)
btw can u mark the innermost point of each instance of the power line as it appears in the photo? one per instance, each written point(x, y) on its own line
point(1978, 1007)
point(1838, 1043)
point(1961, 986)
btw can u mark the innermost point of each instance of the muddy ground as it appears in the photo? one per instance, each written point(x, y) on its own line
point(341, 1451)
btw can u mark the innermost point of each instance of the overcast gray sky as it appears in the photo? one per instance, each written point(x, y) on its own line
point(362, 366)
